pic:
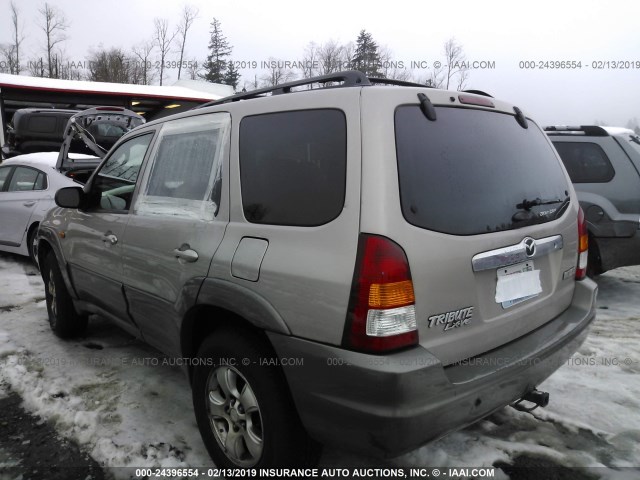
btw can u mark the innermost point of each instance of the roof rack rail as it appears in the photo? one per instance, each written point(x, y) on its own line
point(593, 130)
point(349, 78)
point(393, 81)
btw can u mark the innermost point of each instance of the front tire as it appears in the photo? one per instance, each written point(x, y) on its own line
point(63, 318)
point(244, 411)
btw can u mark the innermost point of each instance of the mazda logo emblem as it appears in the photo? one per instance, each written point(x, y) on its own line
point(530, 247)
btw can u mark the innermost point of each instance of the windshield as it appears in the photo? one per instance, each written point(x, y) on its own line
point(475, 171)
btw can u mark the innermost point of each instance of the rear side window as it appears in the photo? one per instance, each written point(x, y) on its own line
point(469, 171)
point(293, 167)
point(585, 162)
point(25, 178)
point(4, 174)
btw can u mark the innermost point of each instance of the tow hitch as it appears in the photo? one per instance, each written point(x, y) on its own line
point(539, 399)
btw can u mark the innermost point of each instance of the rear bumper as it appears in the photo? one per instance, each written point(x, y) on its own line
point(388, 405)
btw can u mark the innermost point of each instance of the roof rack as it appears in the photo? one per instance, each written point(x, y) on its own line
point(349, 78)
point(393, 81)
point(593, 130)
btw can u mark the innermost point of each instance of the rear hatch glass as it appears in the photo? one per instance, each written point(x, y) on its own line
point(475, 171)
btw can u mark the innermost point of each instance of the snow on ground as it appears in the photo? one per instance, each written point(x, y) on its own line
point(111, 393)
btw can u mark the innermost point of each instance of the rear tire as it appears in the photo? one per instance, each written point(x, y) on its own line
point(31, 244)
point(594, 262)
point(63, 318)
point(244, 411)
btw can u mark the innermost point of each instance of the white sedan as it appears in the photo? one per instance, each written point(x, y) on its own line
point(28, 184)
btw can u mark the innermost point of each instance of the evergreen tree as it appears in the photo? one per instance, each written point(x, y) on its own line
point(215, 68)
point(232, 76)
point(366, 57)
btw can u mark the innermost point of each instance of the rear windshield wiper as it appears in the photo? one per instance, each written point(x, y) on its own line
point(526, 215)
point(528, 204)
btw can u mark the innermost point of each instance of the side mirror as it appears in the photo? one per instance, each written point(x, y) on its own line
point(69, 197)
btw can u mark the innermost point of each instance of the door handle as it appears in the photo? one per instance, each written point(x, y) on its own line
point(29, 204)
point(109, 238)
point(186, 253)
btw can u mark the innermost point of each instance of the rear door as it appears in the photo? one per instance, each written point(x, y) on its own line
point(20, 192)
point(483, 210)
point(177, 223)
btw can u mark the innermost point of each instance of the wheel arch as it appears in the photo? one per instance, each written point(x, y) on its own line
point(223, 305)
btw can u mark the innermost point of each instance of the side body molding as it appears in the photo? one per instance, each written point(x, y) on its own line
point(244, 302)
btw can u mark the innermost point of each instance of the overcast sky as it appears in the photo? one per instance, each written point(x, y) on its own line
point(505, 32)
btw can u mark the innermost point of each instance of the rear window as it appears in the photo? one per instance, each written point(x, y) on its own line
point(42, 124)
point(293, 167)
point(585, 162)
point(470, 171)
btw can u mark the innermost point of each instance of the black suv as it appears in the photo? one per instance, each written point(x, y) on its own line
point(35, 130)
point(604, 166)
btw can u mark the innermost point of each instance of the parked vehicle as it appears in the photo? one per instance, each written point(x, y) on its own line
point(359, 265)
point(28, 184)
point(93, 131)
point(604, 166)
point(35, 130)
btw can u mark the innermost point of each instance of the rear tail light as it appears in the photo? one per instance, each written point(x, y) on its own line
point(583, 246)
point(381, 313)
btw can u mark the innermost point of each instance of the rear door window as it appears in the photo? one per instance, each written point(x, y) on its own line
point(470, 171)
point(25, 179)
point(293, 167)
point(585, 162)
point(4, 174)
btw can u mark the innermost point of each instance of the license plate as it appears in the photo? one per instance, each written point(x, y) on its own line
point(517, 283)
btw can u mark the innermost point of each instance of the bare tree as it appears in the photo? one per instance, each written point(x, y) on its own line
point(463, 76)
point(277, 73)
point(323, 59)
point(189, 14)
point(144, 63)
point(435, 78)
point(194, 69)
point(163, 39)
point(10, 53)
point(54, 25)
point(454, 64)
point(251, 84)
point(390, 68)
point(309, 61)
point(36, 67)
point(332, 57)
point(7, 58)
point(63, 68)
